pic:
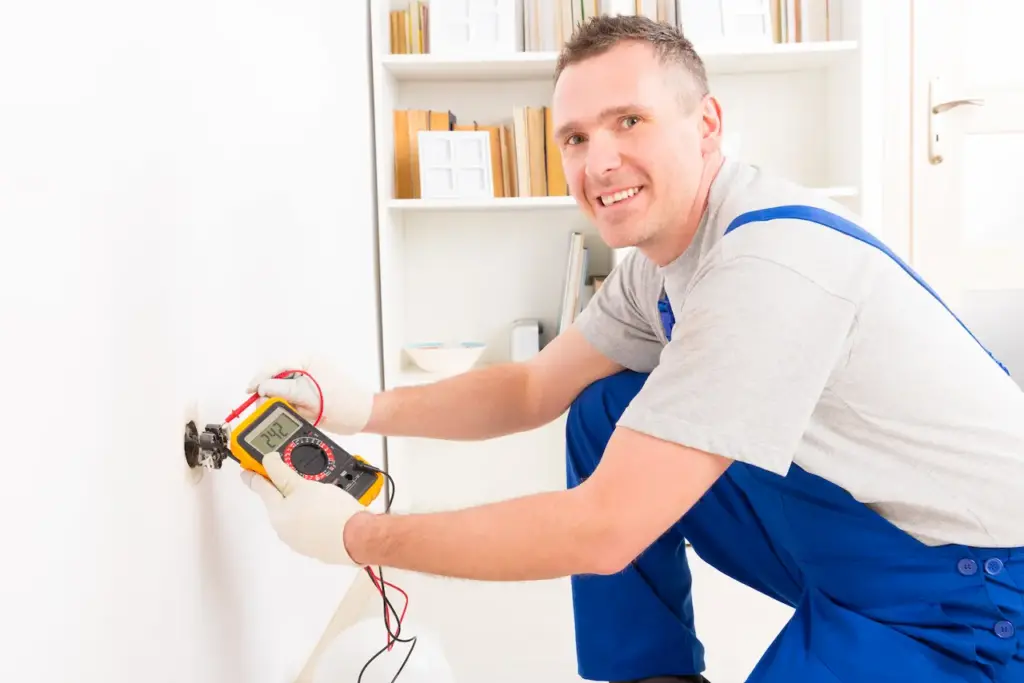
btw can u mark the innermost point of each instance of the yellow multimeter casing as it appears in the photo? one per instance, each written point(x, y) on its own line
point(275, 425)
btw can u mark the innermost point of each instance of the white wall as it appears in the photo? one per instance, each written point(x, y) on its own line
point(152, 156)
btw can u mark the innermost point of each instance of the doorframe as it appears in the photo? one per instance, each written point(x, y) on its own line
point(899, 126)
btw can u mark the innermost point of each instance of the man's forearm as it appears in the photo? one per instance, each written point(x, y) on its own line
point(542, 536)
point(478, 404)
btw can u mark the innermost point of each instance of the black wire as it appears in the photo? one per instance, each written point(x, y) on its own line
point(384, 598)
point(395, 638)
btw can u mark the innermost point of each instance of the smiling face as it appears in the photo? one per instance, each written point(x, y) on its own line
point(639, 147)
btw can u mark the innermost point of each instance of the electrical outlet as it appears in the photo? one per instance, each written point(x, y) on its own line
point(191, 426)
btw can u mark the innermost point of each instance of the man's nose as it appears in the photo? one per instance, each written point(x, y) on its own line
point(602, 155)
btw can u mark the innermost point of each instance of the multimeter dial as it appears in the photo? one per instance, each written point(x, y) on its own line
point(310, 456)
point(276, 427)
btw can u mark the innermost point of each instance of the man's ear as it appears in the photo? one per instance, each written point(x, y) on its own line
point(711, 125)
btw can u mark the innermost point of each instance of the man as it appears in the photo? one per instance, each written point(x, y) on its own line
point(775, 386)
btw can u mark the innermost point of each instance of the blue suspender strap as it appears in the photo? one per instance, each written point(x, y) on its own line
point(840, 224)
point(668, 319)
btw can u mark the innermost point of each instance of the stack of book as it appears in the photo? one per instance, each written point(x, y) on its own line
point(525, 159)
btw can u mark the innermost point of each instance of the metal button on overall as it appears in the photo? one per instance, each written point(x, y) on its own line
point(993, 566)
point(967, 567)
point(1004, 629)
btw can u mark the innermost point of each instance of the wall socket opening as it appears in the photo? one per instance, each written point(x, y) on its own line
point(191, 444)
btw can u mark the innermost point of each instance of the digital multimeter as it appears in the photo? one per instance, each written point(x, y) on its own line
point(275, 426)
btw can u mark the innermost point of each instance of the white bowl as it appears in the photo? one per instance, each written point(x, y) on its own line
point(447, 359)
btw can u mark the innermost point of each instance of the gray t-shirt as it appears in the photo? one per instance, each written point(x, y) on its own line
point(795, 343)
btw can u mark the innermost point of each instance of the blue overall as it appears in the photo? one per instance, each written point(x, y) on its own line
point(871, 603)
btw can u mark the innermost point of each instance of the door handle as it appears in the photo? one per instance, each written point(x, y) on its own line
point(940, 103)
point(951, 104)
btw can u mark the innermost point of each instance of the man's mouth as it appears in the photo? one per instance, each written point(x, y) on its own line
point(620, 196)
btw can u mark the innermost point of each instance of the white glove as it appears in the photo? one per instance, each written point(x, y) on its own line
point(346, 408)
point(309, 516)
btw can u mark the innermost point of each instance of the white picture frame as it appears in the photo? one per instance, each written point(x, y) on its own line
point(747, 22)
point(475, 27)
point(455, 164)
point(734, 22)
point(701, 22)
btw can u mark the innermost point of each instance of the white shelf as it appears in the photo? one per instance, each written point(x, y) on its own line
point(532, 203)
point(483, 204)
point(534, 65)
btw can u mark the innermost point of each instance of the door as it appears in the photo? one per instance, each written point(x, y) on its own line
point(968, 146)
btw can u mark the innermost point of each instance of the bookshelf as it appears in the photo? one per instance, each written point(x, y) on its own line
point(464, 270)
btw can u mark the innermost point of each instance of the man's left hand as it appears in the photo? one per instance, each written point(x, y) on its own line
point(309, 516)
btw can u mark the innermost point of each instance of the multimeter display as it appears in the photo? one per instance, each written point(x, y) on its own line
point(276, 426)
point(273, 431)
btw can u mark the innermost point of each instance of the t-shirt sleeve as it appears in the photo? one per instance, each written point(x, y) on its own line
point(754, 346)
point(613, 320)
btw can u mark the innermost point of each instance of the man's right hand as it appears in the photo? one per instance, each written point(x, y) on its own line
point(347, 406)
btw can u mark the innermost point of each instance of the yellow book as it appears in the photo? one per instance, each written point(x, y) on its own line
point(557, 187)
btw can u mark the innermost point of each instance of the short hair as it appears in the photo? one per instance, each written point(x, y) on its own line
point(601, 33)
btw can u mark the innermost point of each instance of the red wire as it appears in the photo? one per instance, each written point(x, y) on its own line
point(387, 613)
point(377, 581)
point(281, 375)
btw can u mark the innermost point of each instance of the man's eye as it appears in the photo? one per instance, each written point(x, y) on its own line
point(630, 121)
point(574, 140)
